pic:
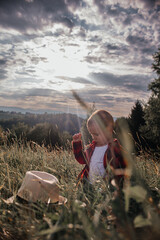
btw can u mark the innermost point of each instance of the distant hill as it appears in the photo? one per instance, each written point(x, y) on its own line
point(63, 121)
point(25, 110)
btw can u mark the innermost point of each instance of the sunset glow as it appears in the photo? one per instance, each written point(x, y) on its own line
point(101, 49)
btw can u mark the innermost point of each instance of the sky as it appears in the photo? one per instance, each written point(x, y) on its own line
point(101, 49)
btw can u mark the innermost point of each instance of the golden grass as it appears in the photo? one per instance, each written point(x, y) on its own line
point(103, 217)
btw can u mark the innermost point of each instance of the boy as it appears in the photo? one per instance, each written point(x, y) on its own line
point(104, 151)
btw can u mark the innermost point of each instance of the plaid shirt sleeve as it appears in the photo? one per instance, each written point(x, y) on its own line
point(78, 152)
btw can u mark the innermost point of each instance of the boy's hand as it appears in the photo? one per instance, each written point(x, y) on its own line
point(77, 137)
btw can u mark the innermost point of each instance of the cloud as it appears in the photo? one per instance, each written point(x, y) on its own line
point(103, 98)
point(26, 93)
point(77, 79)
point(147, 3)
point(129, 14)
point(36, 60)
point(145, 47)
point(141, 62)
point(3, 74)
point(10, 38)
point(3, 71)
point(128, 82)
point(40, 92)
point(38, 99)
point(128, 21)
point(25, 15)
point(137, 41)
point(94, 59)
point(117, 49)
point(3, 61)
point(112, 39)
point(113, 8)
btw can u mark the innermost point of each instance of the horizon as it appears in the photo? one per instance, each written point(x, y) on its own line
point(31, 111)
point(42, 111)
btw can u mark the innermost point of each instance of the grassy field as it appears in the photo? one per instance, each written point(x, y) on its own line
point(135, 214)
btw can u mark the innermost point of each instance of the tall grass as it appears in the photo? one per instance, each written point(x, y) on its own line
point(133, 215)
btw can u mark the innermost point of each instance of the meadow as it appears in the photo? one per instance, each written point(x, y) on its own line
point(133, 215)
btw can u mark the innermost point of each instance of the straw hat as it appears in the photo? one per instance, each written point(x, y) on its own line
point(39, 186)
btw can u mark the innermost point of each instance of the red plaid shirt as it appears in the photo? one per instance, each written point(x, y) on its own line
point(112, 156)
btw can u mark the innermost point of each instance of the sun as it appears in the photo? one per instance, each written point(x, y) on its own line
point(62, 63)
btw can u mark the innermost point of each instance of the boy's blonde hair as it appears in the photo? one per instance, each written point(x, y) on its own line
point(101, 118)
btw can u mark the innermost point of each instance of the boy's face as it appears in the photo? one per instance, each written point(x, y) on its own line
point(100, 136)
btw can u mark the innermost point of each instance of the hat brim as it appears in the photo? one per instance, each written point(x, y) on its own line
point(62, 200)
point(9, 200)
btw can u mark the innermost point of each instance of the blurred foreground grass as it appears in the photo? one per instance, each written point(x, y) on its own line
point(135, 215)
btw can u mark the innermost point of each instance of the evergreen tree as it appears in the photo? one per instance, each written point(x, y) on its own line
point(136, 121)
point(136, 117)
point(152, 108)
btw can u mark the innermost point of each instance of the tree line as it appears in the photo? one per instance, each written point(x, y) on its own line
point(43, 129)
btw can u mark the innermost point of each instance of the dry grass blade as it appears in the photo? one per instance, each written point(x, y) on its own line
point(81, 102)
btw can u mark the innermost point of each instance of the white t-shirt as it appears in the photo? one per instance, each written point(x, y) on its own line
point(96, 167)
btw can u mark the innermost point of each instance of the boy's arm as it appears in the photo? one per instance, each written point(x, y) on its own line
point(78, 149)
